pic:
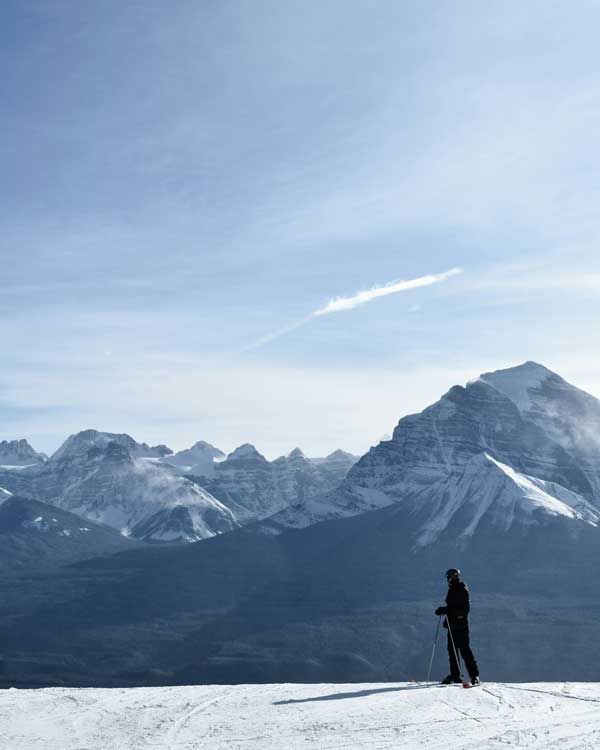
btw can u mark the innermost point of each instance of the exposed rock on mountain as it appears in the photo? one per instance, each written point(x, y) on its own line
point(134, 487)
point(568, 416)
point(182, 523)
point(471, 482)
point(244, 483)
point(255, 488)
point(494, 437)
point(336, 465)
point(80, 443)
point(99, 478)
point(198, 460)
point(19, 453)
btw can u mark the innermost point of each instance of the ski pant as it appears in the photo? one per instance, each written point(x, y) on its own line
point(463, 649)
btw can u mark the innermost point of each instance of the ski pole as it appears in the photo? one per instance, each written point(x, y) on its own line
point(452, 642)
point(437, 632)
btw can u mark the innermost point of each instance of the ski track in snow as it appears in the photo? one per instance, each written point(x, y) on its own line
point(317, 717)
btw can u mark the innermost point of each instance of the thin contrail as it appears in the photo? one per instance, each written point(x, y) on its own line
point(348, 303)
point(276, 334)
point(339, 304)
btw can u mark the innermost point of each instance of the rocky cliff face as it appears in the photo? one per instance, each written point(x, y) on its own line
point(19, 453)
point(157, 495)
point(255, 488)
point(99, 478)
point(336, 465)
point(198, 460)
point(569, 416)
point(81, 442)
point(495, 436)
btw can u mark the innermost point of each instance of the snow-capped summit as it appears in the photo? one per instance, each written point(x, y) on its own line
point(198, 460)
point(340, 455)
point(103, 477)
point(15, 453)
point(519, 383)
point(569, 416)
point(245, 452)
point(511, 446)
point(77, 445)
point(254, 488)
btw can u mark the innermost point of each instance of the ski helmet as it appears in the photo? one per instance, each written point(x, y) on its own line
point(452, 574)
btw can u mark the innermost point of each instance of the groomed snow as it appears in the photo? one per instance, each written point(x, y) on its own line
point(311, 717)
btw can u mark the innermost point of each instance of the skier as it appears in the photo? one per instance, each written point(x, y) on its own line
point(456, 621)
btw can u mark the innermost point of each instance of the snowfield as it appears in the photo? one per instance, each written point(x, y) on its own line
point(323, 717)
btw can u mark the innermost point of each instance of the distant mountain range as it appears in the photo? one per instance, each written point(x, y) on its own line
point(499, 478)
point(254, 488)
point(154, 494)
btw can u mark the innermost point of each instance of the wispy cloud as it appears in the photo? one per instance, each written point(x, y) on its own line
point(276, 334)
point(340, 304)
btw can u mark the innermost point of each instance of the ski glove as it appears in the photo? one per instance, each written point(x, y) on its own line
point(441, 611)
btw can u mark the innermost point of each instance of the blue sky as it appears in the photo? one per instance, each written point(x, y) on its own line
point(181, 180)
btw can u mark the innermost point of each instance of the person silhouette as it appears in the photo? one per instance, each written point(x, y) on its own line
point(456, 622)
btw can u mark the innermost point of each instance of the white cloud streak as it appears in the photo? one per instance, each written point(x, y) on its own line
point(339, 304)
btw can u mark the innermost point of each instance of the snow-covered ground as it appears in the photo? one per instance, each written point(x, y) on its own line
point(319, 717)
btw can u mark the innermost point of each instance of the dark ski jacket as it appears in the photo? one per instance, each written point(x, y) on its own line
point(457, 606)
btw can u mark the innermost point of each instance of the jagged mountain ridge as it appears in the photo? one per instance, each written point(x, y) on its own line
point(513, 429)
point(198, 460)
point(255, 488)
point(19, 453)
point(79, 444)
point(98, 478)
point(470, 482)
point(149, 492)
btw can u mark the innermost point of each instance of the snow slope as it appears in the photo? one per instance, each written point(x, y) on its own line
point(113, 483)
point(515, 446)
point(198, 460)
point(372, 716)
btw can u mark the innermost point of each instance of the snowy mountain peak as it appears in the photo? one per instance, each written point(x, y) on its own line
point(18, 453)
point(512, 448)
point(115, 453)
point(517, 382)
point(198, 460)
point(339, 455)
point(296, 453)
point(79, 444)
point(206, 449)
point(487, 492)
point(245, 451)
